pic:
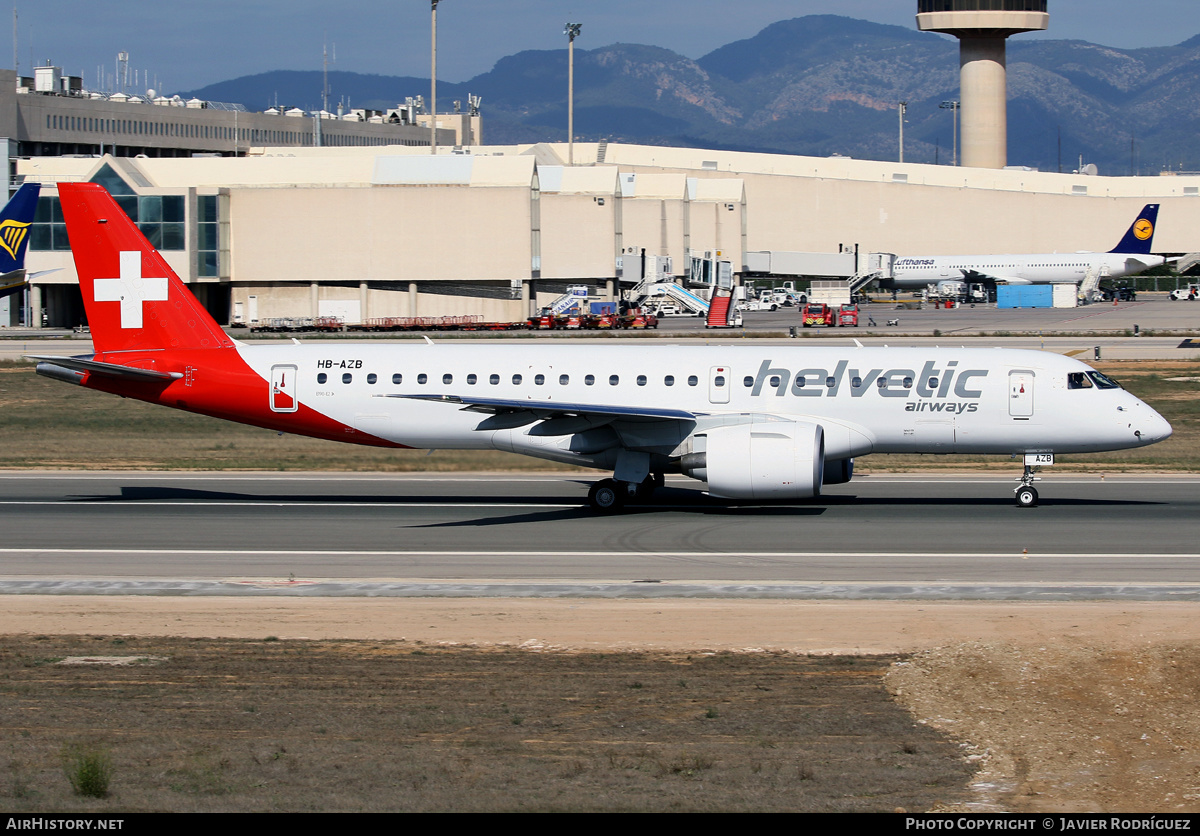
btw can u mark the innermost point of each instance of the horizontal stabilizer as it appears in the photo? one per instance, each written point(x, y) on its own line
point(86, 364)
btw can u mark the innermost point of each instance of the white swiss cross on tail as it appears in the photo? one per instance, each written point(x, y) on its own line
point(131, 290)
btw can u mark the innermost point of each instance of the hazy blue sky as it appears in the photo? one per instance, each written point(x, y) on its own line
point(190, 45)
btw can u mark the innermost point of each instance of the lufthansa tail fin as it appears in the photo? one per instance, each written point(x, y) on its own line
point(1139, 237)
point(134, 300)
point(15, 218)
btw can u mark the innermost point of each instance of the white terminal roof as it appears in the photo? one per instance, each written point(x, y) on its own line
point(510, 165)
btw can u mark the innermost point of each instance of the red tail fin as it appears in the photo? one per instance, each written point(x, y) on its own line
point(133, 299)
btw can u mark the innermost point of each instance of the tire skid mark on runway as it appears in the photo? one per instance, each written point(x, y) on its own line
point(924, 553)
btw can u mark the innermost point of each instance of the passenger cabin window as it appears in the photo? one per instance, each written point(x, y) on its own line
point(347, 377)
point(669, 380)
point(494, 380)
point(372, 378)
point(397, 378)
point(641, 380)
point(516, 379)
point(564, 379)
point(539, 379)
point(472, 380)
point(447, 379)
point(613, 379)
point(881, 383)
point(693, 380)
point(856, 382)
point(589, 380)
point(830, 382)
point(747, 381)
point(322, 377)
point(422, 378)
point(719, 381)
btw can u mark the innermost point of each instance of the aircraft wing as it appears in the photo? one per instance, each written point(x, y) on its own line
point(87, 364)
point(988, 278)
point(549, 409)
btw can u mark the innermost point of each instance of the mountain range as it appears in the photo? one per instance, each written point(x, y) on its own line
point(816, 85)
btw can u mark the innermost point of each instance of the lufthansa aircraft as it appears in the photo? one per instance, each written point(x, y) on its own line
point(1130, 256)
point(756, 422)
point(15, 218)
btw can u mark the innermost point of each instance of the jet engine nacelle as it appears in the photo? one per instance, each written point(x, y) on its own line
point(838, 471)
point(760, 461)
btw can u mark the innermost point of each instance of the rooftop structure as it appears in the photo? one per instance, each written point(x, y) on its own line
point(53, 115)
point(982, 26)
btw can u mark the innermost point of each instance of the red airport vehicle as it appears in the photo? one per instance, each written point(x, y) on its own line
point(817, 313)
point(637, 318)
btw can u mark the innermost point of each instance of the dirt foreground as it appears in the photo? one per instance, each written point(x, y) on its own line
point(1064, 707)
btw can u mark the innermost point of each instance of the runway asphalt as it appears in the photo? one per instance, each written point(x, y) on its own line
point(914, 536)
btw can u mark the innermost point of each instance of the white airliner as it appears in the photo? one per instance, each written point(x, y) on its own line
point(757, 422)
point(1129, 257)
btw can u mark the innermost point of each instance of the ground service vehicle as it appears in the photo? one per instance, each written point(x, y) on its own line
point(848, 315)
point(758, 423)
point(816, 313)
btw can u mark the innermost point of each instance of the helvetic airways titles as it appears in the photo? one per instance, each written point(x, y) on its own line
point(889, 383)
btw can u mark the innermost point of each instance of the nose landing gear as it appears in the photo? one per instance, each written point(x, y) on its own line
point(1027, 495)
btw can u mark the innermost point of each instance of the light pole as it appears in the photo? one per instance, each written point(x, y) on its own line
point(433, 4)
point(572, 32)
point(954, 106)
point(903, 110)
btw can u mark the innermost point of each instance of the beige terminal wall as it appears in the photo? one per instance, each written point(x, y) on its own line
point(816, 215)
point(814, 204)
point(380, 233)
point(577, 236)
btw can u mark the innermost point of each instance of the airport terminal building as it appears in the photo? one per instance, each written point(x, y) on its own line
point(361, 232)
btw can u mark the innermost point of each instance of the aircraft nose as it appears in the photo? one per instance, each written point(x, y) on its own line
point(1153, 428)
point(1147, 425)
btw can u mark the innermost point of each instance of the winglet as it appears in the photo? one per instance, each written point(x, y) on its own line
point(134, 300)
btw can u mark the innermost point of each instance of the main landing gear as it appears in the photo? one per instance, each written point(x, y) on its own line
point(608, 496)
point(1027, 495)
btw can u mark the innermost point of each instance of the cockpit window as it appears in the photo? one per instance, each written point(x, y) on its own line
point(1104, 381)
point(1078, 380)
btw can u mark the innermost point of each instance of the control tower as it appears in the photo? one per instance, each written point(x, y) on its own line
point(981, 27)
